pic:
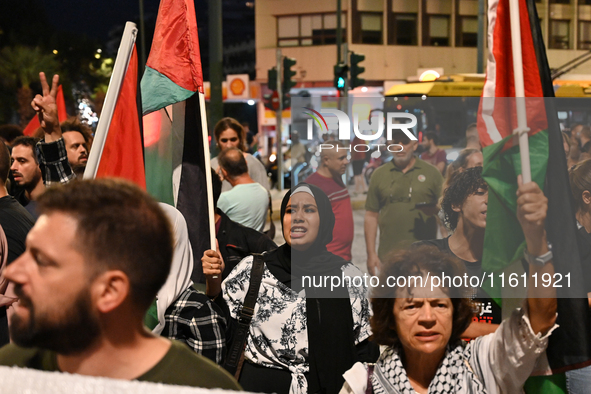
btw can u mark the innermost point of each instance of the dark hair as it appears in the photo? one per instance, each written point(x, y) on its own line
point(464, 185)
point(10, 131)
point(580, 180)
point(230, 123)
point(4, 163)
point(233, 162)
point(216, 184)
point(417, 261)
point(432, 136)
point(120, 227)
point(31, 142)
point(459, 163)
point(74, 124)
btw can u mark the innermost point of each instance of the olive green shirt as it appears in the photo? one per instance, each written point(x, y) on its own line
point(179, 366)
point(394, 195)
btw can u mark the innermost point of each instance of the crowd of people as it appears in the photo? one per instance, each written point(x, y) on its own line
point(96, 275)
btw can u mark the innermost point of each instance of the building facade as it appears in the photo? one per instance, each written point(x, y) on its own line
point(401, 37)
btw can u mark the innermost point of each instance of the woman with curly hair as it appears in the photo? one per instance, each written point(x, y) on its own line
point(421, 325)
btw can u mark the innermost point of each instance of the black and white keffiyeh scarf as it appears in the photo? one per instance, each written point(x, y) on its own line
point(454, 375)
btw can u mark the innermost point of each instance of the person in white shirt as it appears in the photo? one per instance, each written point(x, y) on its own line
point(247, 202)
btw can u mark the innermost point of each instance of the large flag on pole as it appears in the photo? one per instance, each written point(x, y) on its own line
point(570, 345)
point(177, 145)
point(61, 113)
point(173, 70)
point(117, 147)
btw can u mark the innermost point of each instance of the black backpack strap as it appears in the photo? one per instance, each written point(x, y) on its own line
point(235, 356)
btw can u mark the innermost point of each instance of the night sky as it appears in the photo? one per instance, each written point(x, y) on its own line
point(96, 18)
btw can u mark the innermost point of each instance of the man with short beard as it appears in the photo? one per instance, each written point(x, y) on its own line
point(402, 199)
point(94, 262)
point(77, 138)
point(26, 173)
point(16, 222)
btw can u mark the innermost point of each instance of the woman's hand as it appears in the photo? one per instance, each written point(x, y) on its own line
point(213, 266)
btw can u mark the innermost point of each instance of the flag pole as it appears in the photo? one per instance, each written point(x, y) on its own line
point(119, 70)
point(207, 160)
point(522, 128)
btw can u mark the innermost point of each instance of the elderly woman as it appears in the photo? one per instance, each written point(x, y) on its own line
point(421, 327)
point(302, 338)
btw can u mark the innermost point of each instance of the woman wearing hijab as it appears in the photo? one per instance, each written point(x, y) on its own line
point(299, 340)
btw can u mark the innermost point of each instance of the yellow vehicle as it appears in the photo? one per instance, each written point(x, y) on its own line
point(450, 103)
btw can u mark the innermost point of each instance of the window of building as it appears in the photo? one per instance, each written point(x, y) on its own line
point(559, 1)
point(310, 29)
point(559, 34)
point(370, 31)
point(584, 35)
point(467, 31)
point(402, 29)
point(437, 31)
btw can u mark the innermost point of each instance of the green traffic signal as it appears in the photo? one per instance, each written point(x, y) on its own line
point(340, 76)
point(288, 74)
point(356, 70)
point(272, 78)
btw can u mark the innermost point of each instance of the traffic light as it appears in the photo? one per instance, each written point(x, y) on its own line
point(340, 75)
point(286, 100)
point(288, 74)
point(267, 101)
point(356, 70)
point(272, 78)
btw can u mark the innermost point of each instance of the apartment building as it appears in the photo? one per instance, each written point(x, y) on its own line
point(401, 37)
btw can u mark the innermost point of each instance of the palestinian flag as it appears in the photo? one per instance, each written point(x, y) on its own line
point(173, 70)
point(61, 114)
point(117, 148)
point(570, 345)
point(176, 139)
